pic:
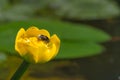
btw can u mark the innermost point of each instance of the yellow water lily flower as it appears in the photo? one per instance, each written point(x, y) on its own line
point(36, 45)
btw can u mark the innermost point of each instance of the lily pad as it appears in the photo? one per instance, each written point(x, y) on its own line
point(79, 49)
point(76, 40)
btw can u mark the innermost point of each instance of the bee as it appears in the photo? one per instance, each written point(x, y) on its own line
point(44, 38)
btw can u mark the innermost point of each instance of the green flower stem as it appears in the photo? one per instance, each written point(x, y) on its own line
point(20, 71)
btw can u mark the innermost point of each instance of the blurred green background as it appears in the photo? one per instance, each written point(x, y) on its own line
point(88, 29)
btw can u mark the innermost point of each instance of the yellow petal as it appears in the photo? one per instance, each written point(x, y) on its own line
point(55, 40)
point(18, 39)
point(20, 33)
point(51, 52)
point(31, 47)
point(20, 48)
point(34, 31)
point(32, 53)
point(36, 53)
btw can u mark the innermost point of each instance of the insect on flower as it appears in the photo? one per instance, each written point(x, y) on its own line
point(44, 38)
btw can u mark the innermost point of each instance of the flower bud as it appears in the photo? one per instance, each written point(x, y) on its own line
point(36, 45)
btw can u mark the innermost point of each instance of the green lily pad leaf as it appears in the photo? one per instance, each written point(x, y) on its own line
point(76, 40)
point(78, 49)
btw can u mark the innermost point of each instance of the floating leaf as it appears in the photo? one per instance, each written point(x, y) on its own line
point(76, 40)
point(78, 49)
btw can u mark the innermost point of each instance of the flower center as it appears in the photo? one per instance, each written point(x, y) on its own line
point(44, 38)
